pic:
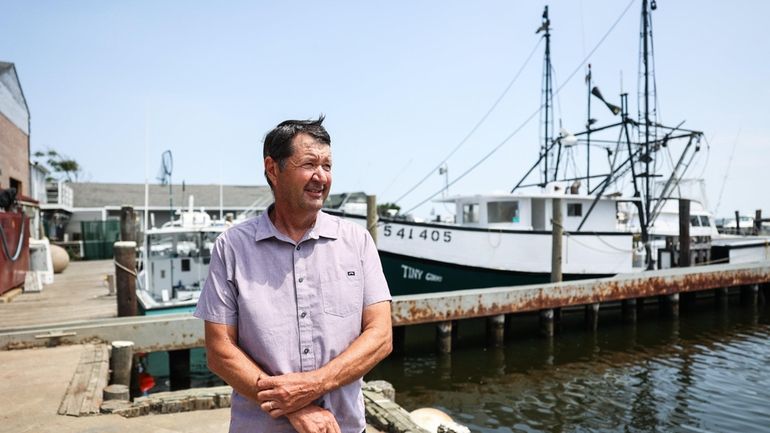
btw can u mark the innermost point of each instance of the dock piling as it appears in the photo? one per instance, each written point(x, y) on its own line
point(444, 336)
point(592, 316)
point(120, 362)
point(750, 294)
point(669, 305)
point(371, 216)
point(127, 224)
point(629, 308)
point(125, 278)
point(399, 339)
point(179, 369)
point(547, 323)
point(496, 330)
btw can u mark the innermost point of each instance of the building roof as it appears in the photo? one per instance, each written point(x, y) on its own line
point(97, 195)
point(13, 105)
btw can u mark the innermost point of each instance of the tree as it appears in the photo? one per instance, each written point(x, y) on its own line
point(59, 166)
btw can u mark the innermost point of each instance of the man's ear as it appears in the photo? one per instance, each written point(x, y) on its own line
point(271, 169)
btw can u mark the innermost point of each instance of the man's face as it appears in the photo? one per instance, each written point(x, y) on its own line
point(304, 183)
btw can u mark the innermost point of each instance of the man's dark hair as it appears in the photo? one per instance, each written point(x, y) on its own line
point(278, 141)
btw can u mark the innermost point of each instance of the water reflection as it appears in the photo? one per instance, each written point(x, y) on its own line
point(702, 371)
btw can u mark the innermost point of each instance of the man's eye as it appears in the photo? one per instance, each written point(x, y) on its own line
point(308, 165)
point(327, 167)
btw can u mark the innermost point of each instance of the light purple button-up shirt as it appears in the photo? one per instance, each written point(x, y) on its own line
point(297, 306)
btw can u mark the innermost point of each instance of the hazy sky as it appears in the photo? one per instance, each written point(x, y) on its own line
point(401, 83)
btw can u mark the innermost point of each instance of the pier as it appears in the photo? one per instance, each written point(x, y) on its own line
point(633, 291)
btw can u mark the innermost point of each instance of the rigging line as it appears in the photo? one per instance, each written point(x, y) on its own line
point(727, 171)
point(478, 124)
point(528, 119)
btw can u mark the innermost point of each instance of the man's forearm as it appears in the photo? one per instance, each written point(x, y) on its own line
point(371, 347)
point(230, 363)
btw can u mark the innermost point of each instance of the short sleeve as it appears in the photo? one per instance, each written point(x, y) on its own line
point(375, 286)
point(218, 302)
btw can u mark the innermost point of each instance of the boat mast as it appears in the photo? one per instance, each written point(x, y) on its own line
point(645, 62)
point(547, 95)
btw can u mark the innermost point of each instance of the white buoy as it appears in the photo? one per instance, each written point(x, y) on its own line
point(431, 419)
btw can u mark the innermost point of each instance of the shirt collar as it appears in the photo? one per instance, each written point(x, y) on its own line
point(326, 226)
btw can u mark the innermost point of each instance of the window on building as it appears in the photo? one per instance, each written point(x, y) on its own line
point(16, 184)
point(503, 212)
point(574, 209)
point(471, 213)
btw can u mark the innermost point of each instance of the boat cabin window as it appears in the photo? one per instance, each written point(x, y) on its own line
point(503, 212)
point(471, 213)
point(174, 245)
point(574, 209)
point(695, 221)
point(704, 221)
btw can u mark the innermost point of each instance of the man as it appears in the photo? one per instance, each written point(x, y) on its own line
point(296, 306)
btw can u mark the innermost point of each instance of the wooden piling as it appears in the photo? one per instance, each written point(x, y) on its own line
point(684, 233)
point(721, 297)
point(179, 369)
point(547, 317)
point(121, 357)
point(669, 305)
point(496, 330)
point(371, 216)
point(546, 323)
point(399, 339)
point(750, 294)
point(125, 278)
point(127, 224)
point(592, 316)
point(757, 222)
point(444, 337)
point(629, 308)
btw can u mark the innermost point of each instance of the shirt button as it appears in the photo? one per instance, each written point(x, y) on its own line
point(301, 279)
point(306, 351)
point(298, 247)
point(303, 315)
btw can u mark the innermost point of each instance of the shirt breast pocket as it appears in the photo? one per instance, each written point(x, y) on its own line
point(343, 292)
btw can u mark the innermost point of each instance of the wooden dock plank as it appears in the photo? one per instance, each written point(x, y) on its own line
point(84, 393)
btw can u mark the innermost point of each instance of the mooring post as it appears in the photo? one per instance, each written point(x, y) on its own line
point(592, 316)
point(121, 359)
point(546, 323)
point(750, 294)
point(496, 330)
point(757, 222)
point(125, 277)
point(685, 260)
point(721, 297)
point(371, 216)
point(179, 369)
point(669, 304)
point(628, 308)
point(444, 336)
point(127, 224)
point(399, 339)
point(737, 223)
point(557, 231)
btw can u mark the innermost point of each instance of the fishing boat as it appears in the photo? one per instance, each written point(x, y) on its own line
point(506, 239)
point(174, 262)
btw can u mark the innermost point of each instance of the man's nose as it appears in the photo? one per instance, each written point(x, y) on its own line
point(320, 174)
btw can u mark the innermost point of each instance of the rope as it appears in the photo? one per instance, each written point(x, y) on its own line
point(130, 272)
point(526, 121)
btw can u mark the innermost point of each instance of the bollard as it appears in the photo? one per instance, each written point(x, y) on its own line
point(496, 330)
point(116, 392)
point(120, 362)
point(179, 369)
point(592, 316)
point(444, 337)
point(125, 278)
point(546, 323)
point(629, 308)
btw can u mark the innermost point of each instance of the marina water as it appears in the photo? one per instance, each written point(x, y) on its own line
point(706, 371)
